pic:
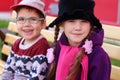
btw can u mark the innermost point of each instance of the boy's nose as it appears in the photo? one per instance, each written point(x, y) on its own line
point(27, 22)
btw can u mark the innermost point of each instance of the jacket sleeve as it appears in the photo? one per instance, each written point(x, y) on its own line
point(39, 67)
point(8, 72)
point(99, 66)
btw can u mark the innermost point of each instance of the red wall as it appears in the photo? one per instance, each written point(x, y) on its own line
point(5, 5)
point(49, 9)
point(105, 10)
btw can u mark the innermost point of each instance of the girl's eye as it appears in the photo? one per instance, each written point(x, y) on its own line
point(84, 21)
point(71, 20)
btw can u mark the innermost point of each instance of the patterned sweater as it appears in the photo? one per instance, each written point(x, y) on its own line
point(27, 62)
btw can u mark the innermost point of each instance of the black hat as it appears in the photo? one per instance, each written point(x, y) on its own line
point(76, 9)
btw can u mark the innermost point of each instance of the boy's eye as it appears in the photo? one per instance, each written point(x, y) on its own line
point(20, 19)
point(33, 19)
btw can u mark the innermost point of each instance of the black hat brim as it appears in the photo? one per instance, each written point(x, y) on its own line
point(77, 14)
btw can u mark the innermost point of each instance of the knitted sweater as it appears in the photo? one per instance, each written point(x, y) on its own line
point(27, 62)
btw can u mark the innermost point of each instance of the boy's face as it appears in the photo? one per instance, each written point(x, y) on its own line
point(76, 31)
point(28, 30)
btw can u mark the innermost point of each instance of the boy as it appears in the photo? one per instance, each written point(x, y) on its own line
point(27, 57)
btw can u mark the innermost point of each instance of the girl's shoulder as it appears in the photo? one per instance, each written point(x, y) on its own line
point(99, 54)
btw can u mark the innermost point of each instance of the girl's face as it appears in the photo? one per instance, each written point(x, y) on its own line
point(28, 30)
point(76, 30)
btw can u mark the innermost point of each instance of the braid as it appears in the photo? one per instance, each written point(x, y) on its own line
point(55, 37)
point(52, 69)
point(76, 65)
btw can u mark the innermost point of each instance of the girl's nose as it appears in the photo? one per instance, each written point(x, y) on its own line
point(78, 25)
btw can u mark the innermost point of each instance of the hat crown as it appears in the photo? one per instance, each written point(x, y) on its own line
point(77, 9)
point(32, 1)
point(37, 4)
point(68, 6)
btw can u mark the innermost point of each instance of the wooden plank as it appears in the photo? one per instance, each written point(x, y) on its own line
point(6, 49)
point(49, 19)
point(1, 70)
point(49, 35)
point(12, 27)
point(2, 63)
point(10, 38)
point(14, 14)
point(115, 74)
point(112, 32)
point(112, 50)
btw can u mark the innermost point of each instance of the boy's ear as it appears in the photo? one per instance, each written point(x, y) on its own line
point(43, 24)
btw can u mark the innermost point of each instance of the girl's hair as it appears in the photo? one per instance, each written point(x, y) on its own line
point(30, 9)
point(52, 69)
point(75, 68)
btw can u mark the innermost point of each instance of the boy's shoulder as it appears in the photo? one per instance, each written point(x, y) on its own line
point(43, 42)
point(17, 41)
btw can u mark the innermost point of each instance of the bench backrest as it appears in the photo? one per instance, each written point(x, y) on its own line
point(112, 47)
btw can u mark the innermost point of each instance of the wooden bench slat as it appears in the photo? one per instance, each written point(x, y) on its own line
point(12, 27)
point(10, 38)
point(2, 63)
point(6, 49)
point(1, 69)
point(112, 50)
point(112, 32)
point(49, 35)
point(49, 19)
point(115, 75)
point(13, 16)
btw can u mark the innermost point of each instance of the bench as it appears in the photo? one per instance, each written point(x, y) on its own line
point(111, 43)
point(112, 47)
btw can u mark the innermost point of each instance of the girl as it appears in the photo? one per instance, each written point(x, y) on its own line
point(78, 54)
point(27, 59)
